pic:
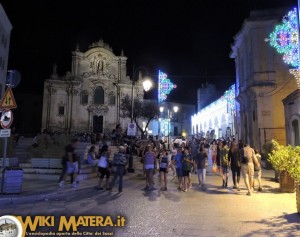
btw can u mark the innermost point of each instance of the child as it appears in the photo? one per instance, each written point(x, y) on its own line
point(257, 172)
point(163, 169)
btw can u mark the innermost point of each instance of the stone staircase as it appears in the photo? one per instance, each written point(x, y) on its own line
point(23, 152)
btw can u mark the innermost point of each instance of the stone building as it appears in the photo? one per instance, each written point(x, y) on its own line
point(5, 29)
point(87, 98)
point(292, 118)
point(262, 80)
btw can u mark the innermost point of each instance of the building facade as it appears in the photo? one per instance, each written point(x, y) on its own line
point(5, 30)
point(87, 99)
point(217, 120)
point(292, 118)
point(262, 81)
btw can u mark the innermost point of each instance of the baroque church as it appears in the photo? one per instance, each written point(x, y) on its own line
point(87, 98)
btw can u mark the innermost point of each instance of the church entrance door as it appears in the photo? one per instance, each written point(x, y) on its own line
point(98, 124)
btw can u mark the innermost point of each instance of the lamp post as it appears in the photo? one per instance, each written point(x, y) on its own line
point(175, 109)
point(147, 84)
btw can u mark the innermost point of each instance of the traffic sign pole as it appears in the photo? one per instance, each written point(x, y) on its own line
point(4, 164)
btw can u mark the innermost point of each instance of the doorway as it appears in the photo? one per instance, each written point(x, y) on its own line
point(98, 124)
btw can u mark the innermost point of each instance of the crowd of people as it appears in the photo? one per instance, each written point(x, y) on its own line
point(184, 159)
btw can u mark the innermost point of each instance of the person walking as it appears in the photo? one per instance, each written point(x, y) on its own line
point(218, 157)
point(234, 157)
point(213, 150)
point(120, 161)
point(187, 164)
point(163, 169)
point(194, 151)
point(224, 164)
point(178, 163)
point(149, 167)
point(103, 167)
point(257, 172)
point(202, 163)
point(248, 160)
point(70, 164)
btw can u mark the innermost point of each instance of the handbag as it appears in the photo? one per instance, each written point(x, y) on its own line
point(214, 169)
point(206, 163)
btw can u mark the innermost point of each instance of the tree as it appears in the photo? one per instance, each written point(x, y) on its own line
point(141, 109)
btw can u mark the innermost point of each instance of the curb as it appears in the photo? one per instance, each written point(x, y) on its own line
point(10, 199)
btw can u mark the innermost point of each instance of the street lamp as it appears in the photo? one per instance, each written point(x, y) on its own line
point(175, 109)
point(147, 84)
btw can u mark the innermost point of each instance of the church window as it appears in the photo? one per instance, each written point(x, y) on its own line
point(112, 100)
point(61, 110)
point(84, 98)
point(99, 96)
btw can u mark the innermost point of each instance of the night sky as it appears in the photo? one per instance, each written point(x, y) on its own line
point(189, 40)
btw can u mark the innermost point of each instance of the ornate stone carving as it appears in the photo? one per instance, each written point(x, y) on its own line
point(101, 44)
point(51, 90)
point(98, 110)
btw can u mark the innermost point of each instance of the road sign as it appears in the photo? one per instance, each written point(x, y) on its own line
point(5, 132)
point(6, 118)
point(131, 129)
point(8, 100)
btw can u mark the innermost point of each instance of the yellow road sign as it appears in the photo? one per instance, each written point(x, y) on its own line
point(8, 100)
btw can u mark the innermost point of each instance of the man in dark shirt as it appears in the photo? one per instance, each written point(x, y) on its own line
point(70, 163)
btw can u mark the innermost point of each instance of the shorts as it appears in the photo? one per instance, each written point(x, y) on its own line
point(164, 170)
point(257, 174)
point(103, 172)
point(248, 170)
point(225, 169)
point(149, 172)
point(179, 172)
point(72, 167)
point(186, 173)
point(147, 166)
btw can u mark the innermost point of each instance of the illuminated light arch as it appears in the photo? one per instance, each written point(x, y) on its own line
point(214, 115)
point(165, 127)
point(285, 38)
point(164, 86)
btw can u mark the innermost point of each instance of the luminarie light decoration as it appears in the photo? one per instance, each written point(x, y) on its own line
point(216, 115)
point(164, 86)
point(285, 38)
point(165, 127)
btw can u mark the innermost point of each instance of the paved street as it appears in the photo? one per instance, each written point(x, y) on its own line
point(215, 212)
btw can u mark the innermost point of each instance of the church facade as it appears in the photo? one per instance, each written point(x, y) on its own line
point(87, 98)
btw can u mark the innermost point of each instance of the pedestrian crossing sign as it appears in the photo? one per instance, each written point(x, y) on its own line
point(8, 100)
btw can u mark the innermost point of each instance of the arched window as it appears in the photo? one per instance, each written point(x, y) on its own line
point(295, 125)
point(112, 99)
point(84, 98)
point(99, 96)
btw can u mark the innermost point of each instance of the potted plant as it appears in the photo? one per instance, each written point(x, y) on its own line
point(282, 159)
point(294, 171)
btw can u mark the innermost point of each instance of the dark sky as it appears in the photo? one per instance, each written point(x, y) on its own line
point(188, 39)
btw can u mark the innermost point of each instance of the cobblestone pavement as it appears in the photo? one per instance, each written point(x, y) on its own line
point(214, 212)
